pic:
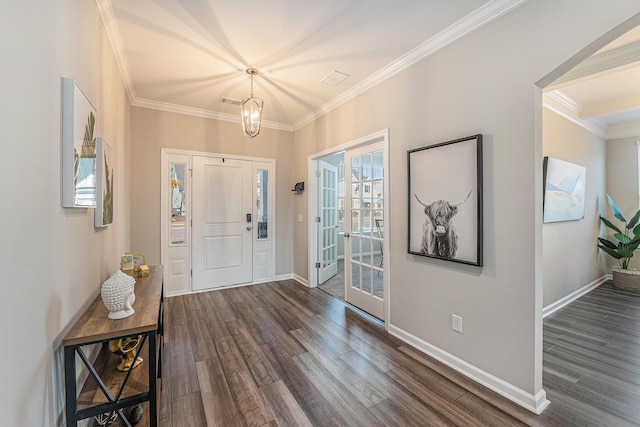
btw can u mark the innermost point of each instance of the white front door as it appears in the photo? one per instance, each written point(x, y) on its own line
point(364, 236)
point(222, 232)
point(328, 225)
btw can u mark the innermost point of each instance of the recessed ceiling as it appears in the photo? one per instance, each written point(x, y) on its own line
point(603, 92)
point(186, 55)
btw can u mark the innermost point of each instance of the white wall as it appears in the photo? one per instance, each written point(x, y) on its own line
point(53, 259)
point(622, 182)
point(152, 130)
point(571, 258)
point(482, 83)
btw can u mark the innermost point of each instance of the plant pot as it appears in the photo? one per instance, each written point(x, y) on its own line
point(626, 279)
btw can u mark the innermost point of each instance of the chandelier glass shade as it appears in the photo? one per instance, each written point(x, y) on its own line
point(251, 110)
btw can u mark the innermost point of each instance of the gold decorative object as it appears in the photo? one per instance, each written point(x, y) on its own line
point(125, 348)
point(143, 271)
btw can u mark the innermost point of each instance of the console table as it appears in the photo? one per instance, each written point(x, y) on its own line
point(106, 389)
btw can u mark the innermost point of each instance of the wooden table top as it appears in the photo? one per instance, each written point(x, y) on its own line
point(94, 325)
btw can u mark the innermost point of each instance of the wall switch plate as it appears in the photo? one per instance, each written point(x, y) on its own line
point(456, 323)
point(300, 218)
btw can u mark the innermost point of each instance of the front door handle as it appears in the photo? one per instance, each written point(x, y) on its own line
point(249, 228)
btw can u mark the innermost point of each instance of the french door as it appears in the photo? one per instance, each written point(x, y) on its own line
point(364, 228)
point(222, 222)
point(328, 225)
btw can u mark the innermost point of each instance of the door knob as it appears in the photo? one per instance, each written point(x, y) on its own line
point(347, 235)
point(249, 228)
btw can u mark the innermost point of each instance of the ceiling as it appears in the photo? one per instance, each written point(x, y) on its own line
point(186, 55)
point(603, 92)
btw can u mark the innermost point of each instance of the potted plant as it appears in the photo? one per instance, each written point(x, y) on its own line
point(627, 241)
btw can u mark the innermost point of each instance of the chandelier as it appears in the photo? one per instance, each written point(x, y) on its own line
point(251, 110)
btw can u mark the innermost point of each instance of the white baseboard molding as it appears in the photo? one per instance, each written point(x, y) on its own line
point(534, 403)
point(301, 280)
point(257, 282)
point(552, 308)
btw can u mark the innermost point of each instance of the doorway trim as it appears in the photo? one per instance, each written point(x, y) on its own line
point(381, 135)
point(267, 164)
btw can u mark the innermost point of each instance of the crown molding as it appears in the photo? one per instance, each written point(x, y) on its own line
point(566, 107)
point(105, 9)
point(604, 62)
point(206, 114)
point(623, 130)
point(481, 16)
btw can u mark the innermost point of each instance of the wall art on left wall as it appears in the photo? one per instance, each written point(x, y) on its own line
point(104, 183)
point(79, 127)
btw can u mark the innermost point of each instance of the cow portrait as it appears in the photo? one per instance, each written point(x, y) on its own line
point(439, 236)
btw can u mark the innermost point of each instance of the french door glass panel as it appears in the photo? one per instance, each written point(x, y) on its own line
point(364, 205)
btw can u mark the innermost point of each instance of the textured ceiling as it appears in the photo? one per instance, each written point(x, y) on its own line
point(184, 55)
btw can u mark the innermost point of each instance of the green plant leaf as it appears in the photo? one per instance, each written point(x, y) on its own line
point(633, 246)
point(634, 221)
point(625, 251)
point(622, 238)
point(636, 230)
point(610, 224)
point(611, 252)
point(615, 210)
point(607, 243)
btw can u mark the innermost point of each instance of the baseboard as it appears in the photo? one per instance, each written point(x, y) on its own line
point(534, 403)
point(257, 282)
point(301, 280)
point(552, 308)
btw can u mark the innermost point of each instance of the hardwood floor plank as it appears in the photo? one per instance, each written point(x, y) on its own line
point(256, 361)
point(184, 379)
point(283, 405)
point(593, 397)
point(471, 386)
point(456, 414)
point(340, 398)
point(306, 394)
point(283, 354)
point(374, 356)
point(394, 391)
point(188, 411)
point(490, 414)
point(391, 414)
point(249, 402)
point(218, 404)
point(366, 393)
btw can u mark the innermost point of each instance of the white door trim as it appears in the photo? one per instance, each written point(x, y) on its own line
point(164, 237)
point(382, 135)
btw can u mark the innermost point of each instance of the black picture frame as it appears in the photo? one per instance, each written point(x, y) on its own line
point(445, 201)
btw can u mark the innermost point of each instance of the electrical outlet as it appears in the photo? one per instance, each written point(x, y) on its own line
point(456, 323)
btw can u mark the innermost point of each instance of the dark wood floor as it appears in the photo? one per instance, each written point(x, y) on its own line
point(592, 359)
point(280, 354)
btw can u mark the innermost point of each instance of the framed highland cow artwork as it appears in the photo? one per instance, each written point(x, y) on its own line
point(445, 200)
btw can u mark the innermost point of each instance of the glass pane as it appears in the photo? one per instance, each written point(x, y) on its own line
point(355, 169)
point(178, 196)
point(377, 282)
point(262, 203)
point(355, 221)
point(355, 276)
point(366, 167)
point(377, 164)
point(366, 250)
point(366, 279)
point(355, 248)
point(366, 220)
